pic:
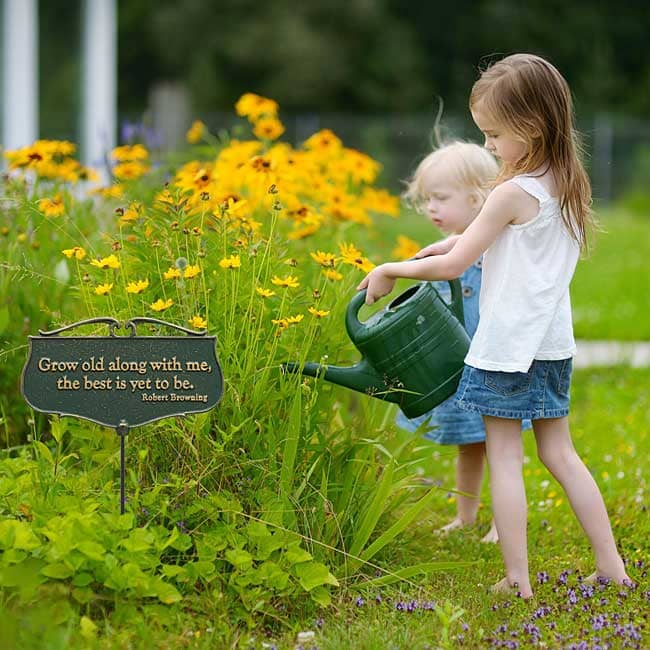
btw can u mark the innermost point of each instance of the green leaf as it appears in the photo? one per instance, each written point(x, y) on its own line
point(140, 539)
point(314, 574)
point(291, 445)
point(398, 527)
point(295, 555)
point(92, 550)
point(407, 572)
point(239, 558)
point(374, 511)
point(44, 452)
point(4, 318)
point(82, 579)
point(321, 596)
point(182, 542)
point(88, 628)
point(272, 576)
point(165, 592)
point(58, 570)
point(17, 534)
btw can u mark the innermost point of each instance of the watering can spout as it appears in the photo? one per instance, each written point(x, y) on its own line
point(361, 377)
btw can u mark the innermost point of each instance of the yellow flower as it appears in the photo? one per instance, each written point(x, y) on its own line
point(129, 152)
point(191, 271)
point(161, 305)
point(52, 207)
point(331, 274)
point(325, 141)
point(130, 170)
point(281, 323)
point(131, 214)
point(232, 206)
point(289, 281)
point(293, 320)
point(110, 262)
point(254, 106)
point(268, 128)
point(197, 322)
point(137, 287)
point(324, 259)
point(232, 262)
point(195, 132)
point(319, 313)
point(103, 289)
point(172, 273)
point(77, 252)
point(406, 248)
point(265, 293)
point(350, 254)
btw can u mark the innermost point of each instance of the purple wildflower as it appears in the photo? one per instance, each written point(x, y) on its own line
point(359, 602)
point(378, 599)
point(319, 622)
point(542, 577)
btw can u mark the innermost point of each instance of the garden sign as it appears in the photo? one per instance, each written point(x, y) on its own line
point(122, 382)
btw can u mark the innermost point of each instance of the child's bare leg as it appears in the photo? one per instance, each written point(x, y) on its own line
point(505, 457)
point(469, 476)
point(556, 451)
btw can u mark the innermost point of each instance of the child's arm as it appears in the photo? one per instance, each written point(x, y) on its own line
point(500, 208)
point(438, 248)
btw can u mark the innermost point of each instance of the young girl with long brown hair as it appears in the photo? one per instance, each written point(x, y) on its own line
point(530, 231)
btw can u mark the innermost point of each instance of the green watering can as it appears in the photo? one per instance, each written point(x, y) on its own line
point(412, 350)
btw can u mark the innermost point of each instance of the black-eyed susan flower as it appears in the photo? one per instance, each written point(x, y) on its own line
point(195, 132)
point(130, 170)
point(191, 271)
point(255, 106)
point(265, 293)
point(137, 286)
point(198, 322)
point(232, 262)
point(77, 252)
point(172, 273)
point(268, 128)
point(331, 274)
point(103, 289)
point(294, 320)
point(406, 248)
point(324, 259)
point(319, 313)
point(324, 141)
point(110, 262)
point(52, 207)
point(130, 152)
point(289, 281)
point(161, 305)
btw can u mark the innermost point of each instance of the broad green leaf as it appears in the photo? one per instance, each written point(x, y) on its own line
point(321, 596)
point(17, 534)
point(88, 628)
point(82, 579)
point(59, 571)
point(295, 555)
point(92, 550)
point(140, 539)
point(165, 592)
point(239, 558)
point(271, 575)
point(314, 574)
point(44, 452)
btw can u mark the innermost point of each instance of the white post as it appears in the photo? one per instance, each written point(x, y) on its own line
point(99, 108)
point(20, 73)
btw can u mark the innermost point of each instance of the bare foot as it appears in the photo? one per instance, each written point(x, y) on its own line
point(453, 525)
point(620, 578)
point(492, 536)
point(504, 586)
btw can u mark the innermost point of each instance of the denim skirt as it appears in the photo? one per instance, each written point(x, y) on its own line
point(542, 392)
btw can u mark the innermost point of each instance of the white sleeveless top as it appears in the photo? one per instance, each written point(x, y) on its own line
point(524, 305)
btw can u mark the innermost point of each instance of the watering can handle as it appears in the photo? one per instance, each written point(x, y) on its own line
point(352, 323)
point(456, 304)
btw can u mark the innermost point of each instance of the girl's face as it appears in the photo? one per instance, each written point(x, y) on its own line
point(498, 141)
point(449, 207)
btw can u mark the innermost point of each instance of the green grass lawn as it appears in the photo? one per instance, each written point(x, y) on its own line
point(611, 429)
point(610, 292)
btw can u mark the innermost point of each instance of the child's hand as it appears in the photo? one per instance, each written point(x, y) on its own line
point(438, 248)
point(378, 283)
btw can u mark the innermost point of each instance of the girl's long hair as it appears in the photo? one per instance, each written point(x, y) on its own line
point(530, 99)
